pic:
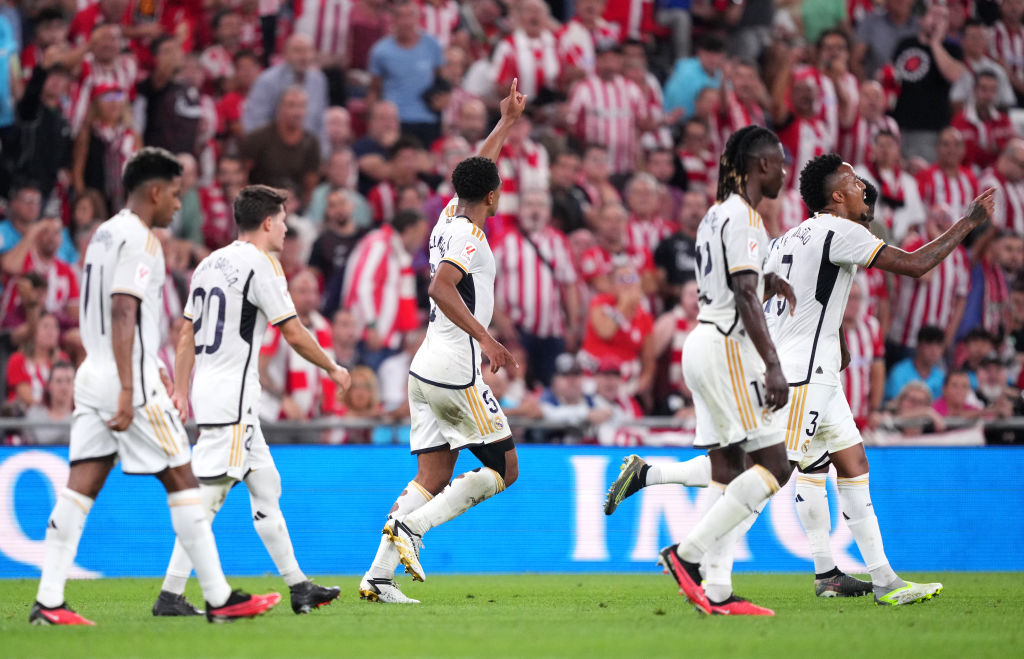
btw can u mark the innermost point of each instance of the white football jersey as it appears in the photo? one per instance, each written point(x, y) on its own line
point(123, 256)
point(819, 259)
point(730, 239)
point(235, 292)
point(449, 356)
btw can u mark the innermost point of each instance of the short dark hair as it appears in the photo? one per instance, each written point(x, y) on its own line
point(246, 54)
point(985, 73)
point(219, 16)
point(710, 42)
point(405, 219)
point(49, 15)
point(930, 334)
point(870, 192)
point(954, 373)
point(814, 180)
point(402, 143)
point(149, 163)
point(256, 203)
point(974, 22)
point(23, 183)
point(833, 33)
point(157, 43)
point(979, 334)
point(474, 177)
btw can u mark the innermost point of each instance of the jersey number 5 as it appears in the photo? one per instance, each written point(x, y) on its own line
point(201, 307)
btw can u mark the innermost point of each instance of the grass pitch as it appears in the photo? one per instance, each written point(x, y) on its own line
point(585, 615)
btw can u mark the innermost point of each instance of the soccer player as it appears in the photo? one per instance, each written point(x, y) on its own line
point(121, 407)
point(732, 370)
point(235, 292)
point(819, 259)
point(451, 407)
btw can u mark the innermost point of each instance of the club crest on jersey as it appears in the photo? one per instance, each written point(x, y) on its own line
point(498, 425)
point(467, 253)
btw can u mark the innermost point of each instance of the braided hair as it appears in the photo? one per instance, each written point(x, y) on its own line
point(732, 166)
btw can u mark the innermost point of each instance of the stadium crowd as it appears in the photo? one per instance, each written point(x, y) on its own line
point(360, 109)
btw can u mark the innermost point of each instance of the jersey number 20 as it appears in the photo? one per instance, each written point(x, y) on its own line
point(201, 306)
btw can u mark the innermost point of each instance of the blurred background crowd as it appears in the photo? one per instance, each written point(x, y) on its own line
point(361, 108)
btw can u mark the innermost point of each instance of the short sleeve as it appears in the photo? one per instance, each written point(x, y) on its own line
point(187, 310)
point(377, 58)
point(857, 246)
point(136, 263)
point(771, 262)
point(269, 291)
point(742, 244)
point(464, 247)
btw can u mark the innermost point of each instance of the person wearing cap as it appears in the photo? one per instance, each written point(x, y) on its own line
point(104, 144)
point(993, 380)
point(566, 403)
point(610, 395)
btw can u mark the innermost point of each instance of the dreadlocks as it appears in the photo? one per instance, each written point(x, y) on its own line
point(732, 166)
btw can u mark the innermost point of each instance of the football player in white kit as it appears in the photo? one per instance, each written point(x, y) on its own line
point(450, 405)
point(235, 292)
point(122, 409)
point(819, 259)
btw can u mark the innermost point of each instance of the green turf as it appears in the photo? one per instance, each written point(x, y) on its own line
point(978, 615)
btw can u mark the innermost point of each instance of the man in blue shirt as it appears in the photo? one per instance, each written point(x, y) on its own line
point(404, 66)
point(693, 74)
point(22, 212)
point(925, 366)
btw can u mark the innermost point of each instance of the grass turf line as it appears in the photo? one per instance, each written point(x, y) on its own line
point(563, 615)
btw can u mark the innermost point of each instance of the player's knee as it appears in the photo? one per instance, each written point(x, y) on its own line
point(781, 470)
point(511, 473)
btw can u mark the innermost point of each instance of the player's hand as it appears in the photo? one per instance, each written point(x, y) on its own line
point(340, 377)
point(123, 417)
point(180, 401)
point(166, 379)
point(982, 207)
point(498, 355)
point(776, 388)
point(512, 105)
point(780, 286)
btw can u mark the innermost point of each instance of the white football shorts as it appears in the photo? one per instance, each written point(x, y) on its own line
point(454, 418)
point(817, 421)
point(726, 377)
point(230, 451)
point(153, 442)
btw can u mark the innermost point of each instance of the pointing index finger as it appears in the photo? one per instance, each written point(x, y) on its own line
point(515, 84)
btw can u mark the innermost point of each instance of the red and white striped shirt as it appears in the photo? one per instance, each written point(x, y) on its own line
point(533, 60)
point(634, 18)
point(984, 137)
point(866, 346)
point(304, 383)
point(855, 140)
point(439, 20)
point(326, 24)
point(1008, 46)
point(123, 72)
point(929, 300)
point(955, 192)
point(577, 44)
point(383, 199)
point(21, 370)
point(530, 288)
point(598, 261)
point(522, 168)
point(660, 137)
point(217, 63)
point(380, 286)
point(742, 114)
point(61, 287)
point(877, 287)
point(829, 104)
point(218, 221)
point(646, 234)
point(701, 170)
point(1009, 211)
point(605, 112)
point(804, 139)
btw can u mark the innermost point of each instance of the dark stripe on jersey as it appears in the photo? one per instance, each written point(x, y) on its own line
point(472, 362)
point(728, 282)
point(467, 290)
point(142, 351)
point(457, 266)
point(828, 272)
point(877, 254)
point(245, 328)
point(103, 323)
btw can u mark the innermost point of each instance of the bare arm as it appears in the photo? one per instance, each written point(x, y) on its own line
point(511, 108)
point(605, 320)
point(184, 360)
point(751, 312)
point(917, 263)
point(844, 351)
point(780, 91)
point(446, 296)
point(959, 304)
point(299, 338)
point(950, 67)
point(123, 314)
point(877, 392)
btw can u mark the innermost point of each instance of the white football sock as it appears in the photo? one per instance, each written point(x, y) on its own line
point(463, 493)
point(692, 473)
point(264, 497)
point(386, 561)
point(62, 535)
point(715, 491)
point(180, 566)
point(812, 509)
point(193, 530)
point(855, 502)
point(743, 496)
point(719, 559)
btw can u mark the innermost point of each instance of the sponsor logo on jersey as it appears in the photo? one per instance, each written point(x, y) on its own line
point(142, 275)
point(752, 248)
point(467, 253)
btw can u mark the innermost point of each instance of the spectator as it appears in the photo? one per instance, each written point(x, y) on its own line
point(522, 164)
point(956, 400)
point(565, 403)
point(230, 105)
point(675, 15)
point(608, 109)
point(613, 249)
point(985, 129)
point(879, 32)
point(44, 138)
point(57, 406)
point(594, 181)
point(975, 43)
point(671, 396)
point(750, 22)
point(745, 98)
point(926, 65)
point(529, 53)
point(51, 31)
point(380, 285)
point(404, 66)
point(382, 132)
point(610, 395)
point(646, 227)
point(913, 413)
point(988, 298)
point(325, 24)
point(693, 74)
point(839, 88)
point(369, 22)
point(361, 401)
point(899, 205)
point(338, 239)
point(1007, 177)
point(948, 181)
point(863, 379)
point(448, 152)
point(337, 129)
point(635, 69)
point(855, 139)
point(798, 122)
point(341, 174)
point(103, 66)
point(453, 72)
point(619, 329)
point(267, 96)
point(104, 144)
point(1008, 46)
point(284, 150)
point(88, 209)
point(566, 199)
point(925, 365)
point(403, 172)
point(22, 211)
point(167, 111)
point(215, 203)
point(993, 381)
point(697, 158)
point(28, 370)
point(676, 255)
point(218, 59)
point(442, 19)
point(394, 377)
point(345, 338)
point(580, 38)
point(538, 288)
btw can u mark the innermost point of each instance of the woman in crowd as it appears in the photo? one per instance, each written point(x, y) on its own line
point(104, 145)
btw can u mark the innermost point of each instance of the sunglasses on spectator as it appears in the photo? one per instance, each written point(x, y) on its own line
point(627, 279)
point(112, 96)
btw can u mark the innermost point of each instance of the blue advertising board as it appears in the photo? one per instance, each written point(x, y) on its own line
point(939, 509)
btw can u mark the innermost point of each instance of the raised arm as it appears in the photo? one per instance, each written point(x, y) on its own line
point(748, 304)
point(920, 261)
point(511, 108)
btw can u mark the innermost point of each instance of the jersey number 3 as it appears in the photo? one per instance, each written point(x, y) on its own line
point(202, 306)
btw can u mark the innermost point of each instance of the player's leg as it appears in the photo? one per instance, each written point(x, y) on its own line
point(635, 474)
